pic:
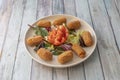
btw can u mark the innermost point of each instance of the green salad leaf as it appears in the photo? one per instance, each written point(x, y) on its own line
point(40, 31)
point(49, 46)
point(58, 50)
point(74, 37)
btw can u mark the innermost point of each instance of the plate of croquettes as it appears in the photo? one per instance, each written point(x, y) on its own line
point(60, 40)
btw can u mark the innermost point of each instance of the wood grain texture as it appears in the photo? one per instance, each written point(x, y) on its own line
point(91, 65)
point(5, 13)
point(70, 7)
point(76, 71)
point(106, 43)
point(40, 72)
point(23, 61)
point(60, 74)
point(58, 8)
point(102, 15)
point(117, 5)
point(11, 42)
point(114, 19)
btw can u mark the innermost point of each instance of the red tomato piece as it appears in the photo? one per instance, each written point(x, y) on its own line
point(58, 36)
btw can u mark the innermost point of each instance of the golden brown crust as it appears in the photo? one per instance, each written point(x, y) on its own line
point(75, 24)
point(32, 41)
point(59, 21)
point(43, 23)
point(45, 54)
point(65, 57)
point(87, 38)
point(79, 50)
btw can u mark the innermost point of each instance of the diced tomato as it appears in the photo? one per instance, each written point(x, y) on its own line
point(59, 32)
point(58, 36)
point(63, 39)
point(59, 39)
point(56, 42)
point(54, 32)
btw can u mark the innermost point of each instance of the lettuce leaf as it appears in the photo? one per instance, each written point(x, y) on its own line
point(40, 31)
point(74, 38)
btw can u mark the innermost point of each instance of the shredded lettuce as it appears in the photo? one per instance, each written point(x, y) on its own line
point(74, 38)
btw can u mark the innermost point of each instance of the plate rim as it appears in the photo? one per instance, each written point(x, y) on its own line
point(60, 66)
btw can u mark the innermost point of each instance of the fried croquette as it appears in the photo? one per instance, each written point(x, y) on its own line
point(87, 38)
point(43, 23)
point(59, 21)
point(79, 50)
point(33, 41)
point(75, 24)
point(45, 54)
point(65, 57)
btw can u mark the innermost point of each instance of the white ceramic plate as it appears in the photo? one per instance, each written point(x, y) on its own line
point(54, 63)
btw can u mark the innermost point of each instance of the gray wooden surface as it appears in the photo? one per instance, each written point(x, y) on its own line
point(102, 15)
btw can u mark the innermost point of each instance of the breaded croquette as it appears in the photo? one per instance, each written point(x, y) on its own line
point(87, 38)
point(33, 41)
point(79, 50)
point(75, 24)
point(59, 21)
point(45, 54)
point(65, 57)
point(43, 23)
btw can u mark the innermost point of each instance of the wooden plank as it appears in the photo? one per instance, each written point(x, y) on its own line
point(114, 18)
point(106, 43)
point(59, 74)
point(5, 12)
point(44, 8)
point(40, 72)
point(21, 72)
point(70, 7)
point(11, 42)
point(58, 7)
point(94, 61)
point(76, 72)
point(117, 5)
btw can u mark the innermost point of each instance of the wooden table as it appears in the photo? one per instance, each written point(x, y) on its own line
point(103, 15)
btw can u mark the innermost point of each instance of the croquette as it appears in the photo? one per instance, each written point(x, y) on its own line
point(75, 24)
point(78, 50)
point(87, 38)
point(45, 54)
point(33, 41)
point(59, 21)
point(43, 23)
point(65, 57)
